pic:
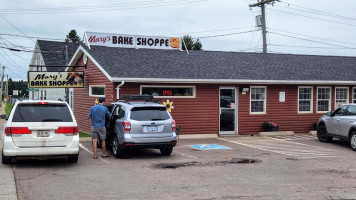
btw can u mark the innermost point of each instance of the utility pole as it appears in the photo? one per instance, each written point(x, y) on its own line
point(2, 79)
point(7, 87)
point(263, 20)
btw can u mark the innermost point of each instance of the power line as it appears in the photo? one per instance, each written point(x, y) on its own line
point(226, 29)
point(225, 34)
point(309, 47)
point(317, 11)
point(314, 18)
point(14, 35)
point(313, 36)
point(73, 10)
point(16, 28)
point(312, 40)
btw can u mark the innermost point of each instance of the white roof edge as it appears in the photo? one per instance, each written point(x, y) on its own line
point(75, 57)
point(232, 81)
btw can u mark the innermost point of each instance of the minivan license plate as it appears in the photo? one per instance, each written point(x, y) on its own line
point(42, 133)
point(152, 128)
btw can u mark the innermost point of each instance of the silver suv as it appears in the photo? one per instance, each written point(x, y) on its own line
point(339, 124)
point(140, 122)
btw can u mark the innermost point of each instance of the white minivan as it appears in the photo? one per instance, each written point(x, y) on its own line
point(40, 129)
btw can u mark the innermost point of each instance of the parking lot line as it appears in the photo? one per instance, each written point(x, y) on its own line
point(288, 148)
point(185, 155)
point(86, 149)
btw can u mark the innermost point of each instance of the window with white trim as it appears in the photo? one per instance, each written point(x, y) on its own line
point(168, 91)
point(354, 95)
point(341, 96)
point(258, 100)
point(97, 90)
point(324, 99)
point(305, 99)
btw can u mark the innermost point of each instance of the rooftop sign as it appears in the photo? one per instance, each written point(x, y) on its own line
point(131, 41)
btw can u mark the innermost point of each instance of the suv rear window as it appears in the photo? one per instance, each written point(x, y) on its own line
point(42, 113)
point(149, 113)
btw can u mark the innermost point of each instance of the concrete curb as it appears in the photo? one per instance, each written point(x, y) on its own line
point(85, 139)
point(276, 133)
point(198, 136)
point(312, 133)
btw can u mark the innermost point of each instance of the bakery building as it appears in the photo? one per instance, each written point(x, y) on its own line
point(214, 92)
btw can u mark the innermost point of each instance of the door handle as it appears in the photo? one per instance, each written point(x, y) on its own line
point(338, 120)
point(351, 121)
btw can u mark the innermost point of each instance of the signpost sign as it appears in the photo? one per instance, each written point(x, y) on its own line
point(41, 79)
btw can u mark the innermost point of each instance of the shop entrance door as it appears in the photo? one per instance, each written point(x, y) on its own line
point(228, 110)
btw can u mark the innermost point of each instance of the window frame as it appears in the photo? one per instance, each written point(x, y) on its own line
point(311, 99)
point(171, 86)
point(317, 99)
point(96, 86)
point(347, 96)
point(264, 101)
point(353, 95)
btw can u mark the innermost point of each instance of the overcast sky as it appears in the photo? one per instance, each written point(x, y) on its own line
point(317, 27)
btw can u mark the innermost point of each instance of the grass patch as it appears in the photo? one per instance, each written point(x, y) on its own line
point(8, 108)
point(84, 134)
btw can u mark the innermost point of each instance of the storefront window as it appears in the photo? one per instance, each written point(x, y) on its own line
point(97, 90)
point(341, 96)
point(258, 100)
point(324, 98)
point(169, 91)
point(305, 99)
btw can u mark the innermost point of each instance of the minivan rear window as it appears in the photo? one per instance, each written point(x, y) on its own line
point(149, 113)
point(42, 113)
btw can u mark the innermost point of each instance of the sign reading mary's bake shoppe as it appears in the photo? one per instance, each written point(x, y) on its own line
point(56, 79)
point(132, 41)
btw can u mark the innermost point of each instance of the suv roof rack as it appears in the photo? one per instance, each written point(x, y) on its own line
point(147, 98)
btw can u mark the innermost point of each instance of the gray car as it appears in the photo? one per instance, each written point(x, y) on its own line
point(339, 124)
point(140, 124)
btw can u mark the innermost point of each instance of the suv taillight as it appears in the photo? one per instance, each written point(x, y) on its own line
point(17, 130)
point(67, 130)
point(127, 126)
point(173, 125)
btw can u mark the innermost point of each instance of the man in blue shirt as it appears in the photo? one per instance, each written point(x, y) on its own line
point(97, 115)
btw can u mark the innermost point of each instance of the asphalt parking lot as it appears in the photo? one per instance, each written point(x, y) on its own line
point(247, 167)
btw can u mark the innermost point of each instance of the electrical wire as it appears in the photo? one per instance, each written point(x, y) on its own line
point(312, 40)
point(14, 35)
point(16, 28)
point(74, 10)
point(309, 47)
point(325, 20)
point(225, 34)
point(226, 29)
point(315, 11)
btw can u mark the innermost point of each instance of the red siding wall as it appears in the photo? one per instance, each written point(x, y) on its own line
point(198, 115)
point(82, 101)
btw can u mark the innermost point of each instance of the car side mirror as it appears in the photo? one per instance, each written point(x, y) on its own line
point(3, 117)
point(329, 114)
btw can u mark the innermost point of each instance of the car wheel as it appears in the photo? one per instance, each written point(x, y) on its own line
point(323, 134)
point(6, 159)
point(116, 151)
point(166, 151)
point(73, 158)
point(353, 141)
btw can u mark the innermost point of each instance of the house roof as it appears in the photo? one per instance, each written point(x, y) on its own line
point(217, 66)
point(53, 53)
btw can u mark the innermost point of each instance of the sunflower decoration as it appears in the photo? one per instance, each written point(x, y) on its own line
point(169, 105)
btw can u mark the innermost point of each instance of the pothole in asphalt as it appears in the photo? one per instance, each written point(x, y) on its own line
point(200, 164)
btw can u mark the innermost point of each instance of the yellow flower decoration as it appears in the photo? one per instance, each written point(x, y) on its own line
point(169, 105)
point(96, 101)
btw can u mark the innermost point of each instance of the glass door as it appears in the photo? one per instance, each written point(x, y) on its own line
point(228, 114)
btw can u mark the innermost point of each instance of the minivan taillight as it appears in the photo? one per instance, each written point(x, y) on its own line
point(173, 125)
point(67, 130)
point(17, 130)
point(127, 126)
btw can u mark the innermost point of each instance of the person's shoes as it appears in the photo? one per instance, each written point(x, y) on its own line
point(95, 157)
point(106, 156)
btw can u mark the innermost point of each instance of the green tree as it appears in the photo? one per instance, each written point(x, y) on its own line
point(72, 36)
point(191, 43)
